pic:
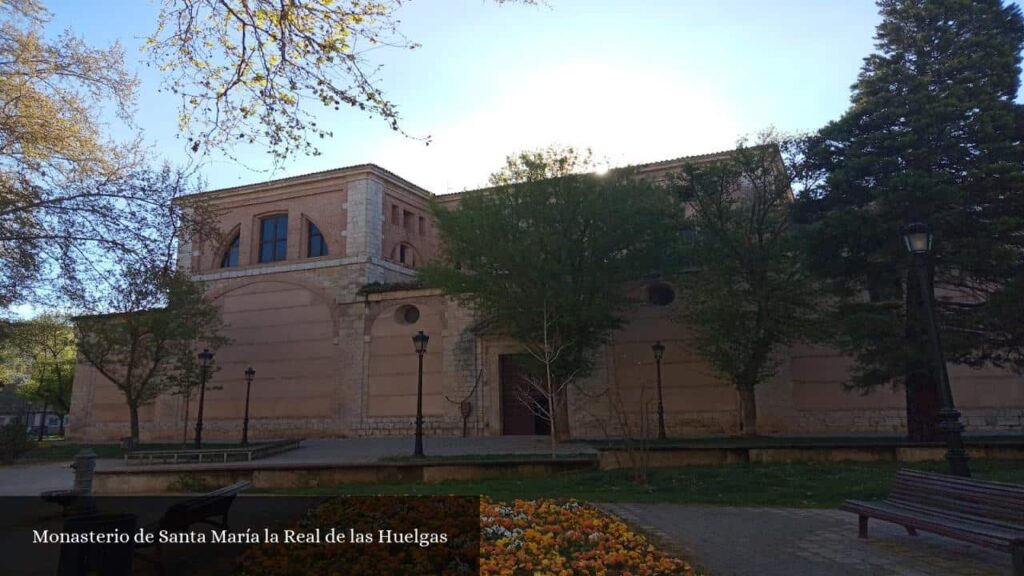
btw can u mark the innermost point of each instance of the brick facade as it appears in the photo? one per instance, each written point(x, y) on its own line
point(333, 360)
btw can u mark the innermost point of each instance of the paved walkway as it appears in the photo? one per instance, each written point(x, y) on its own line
point(31, 479)
point(809, 542)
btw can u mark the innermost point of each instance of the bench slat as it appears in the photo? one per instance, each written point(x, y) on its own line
point(1011, 498)
point(968, 517)
point(967, 482)
point(979, 534)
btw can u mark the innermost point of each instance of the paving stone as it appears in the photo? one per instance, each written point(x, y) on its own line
point(731, 541)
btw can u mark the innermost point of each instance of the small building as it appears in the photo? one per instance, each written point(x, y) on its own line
point(15, 408)
point(316, 277)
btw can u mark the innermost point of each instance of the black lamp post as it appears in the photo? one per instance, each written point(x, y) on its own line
point(249, 373)
point(420, 342)
point(204, 357)
point(918, 239)
point(659, 351)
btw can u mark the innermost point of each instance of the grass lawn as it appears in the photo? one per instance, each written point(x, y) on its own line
point(794, 485)
point(59, 450)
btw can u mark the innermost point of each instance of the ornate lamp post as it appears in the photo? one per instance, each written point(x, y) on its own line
point(249, 373)
point(659, 351)
point(204, 357)
point(918, 239)
point(420, 342)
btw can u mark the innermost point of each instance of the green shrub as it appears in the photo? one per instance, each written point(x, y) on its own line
point(14, 441)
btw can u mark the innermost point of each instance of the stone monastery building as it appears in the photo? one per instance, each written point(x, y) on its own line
point(313, 279)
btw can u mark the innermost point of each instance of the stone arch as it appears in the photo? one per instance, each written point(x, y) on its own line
point(280, 328)
point(304, 236)
point(412, 255)
point(222, 244)
point(311, 285)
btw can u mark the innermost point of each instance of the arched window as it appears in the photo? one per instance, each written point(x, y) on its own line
point(230, 259)
point(317, 244)
point(273, 238)
point(406, 255)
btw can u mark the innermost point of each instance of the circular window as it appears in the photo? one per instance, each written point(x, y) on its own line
point(407, 314)
point(660, 294)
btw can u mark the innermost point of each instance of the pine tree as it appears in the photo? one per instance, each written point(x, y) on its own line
point(934, 134)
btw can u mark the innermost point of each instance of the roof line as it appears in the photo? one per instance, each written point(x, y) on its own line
point(645, 166)
point(322, 173)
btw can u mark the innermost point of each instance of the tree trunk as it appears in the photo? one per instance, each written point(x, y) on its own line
point(748, 410)
point(562, 432)
point(554, 418)
point(133, 412)
point(922, 392)
point(42, 420)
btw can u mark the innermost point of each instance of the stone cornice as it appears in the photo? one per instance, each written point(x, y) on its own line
point(297, 185)
point(297, 265)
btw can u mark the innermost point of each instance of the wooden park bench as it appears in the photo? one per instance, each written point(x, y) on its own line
point(211, 508)
point(989, 514)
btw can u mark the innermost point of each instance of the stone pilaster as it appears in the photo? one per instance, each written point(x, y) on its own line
point(365, 224)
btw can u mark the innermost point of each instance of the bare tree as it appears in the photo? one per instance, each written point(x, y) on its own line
point(547, 387)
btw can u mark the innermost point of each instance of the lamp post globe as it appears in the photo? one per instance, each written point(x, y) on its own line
point(918, 238)
point(205, 357)
point(420, 344)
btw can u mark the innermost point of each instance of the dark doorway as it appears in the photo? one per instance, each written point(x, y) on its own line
point(517, 419)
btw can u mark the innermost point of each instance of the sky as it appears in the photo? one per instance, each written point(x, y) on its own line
point(636, 81)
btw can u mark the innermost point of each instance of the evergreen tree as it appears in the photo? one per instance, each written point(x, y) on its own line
point(934, 134)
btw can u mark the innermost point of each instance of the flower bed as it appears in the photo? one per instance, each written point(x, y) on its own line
point(521, 538)
point(529, 537)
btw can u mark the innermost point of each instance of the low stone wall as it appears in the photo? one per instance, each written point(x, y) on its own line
point(161, 479)
point(696, 455)
point(406, 427)
point(886, 421)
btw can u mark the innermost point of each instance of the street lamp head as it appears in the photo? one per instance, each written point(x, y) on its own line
point(659, 350)
point(249, 373)
point(917, 237)
point(205, 356)
point(420, 341)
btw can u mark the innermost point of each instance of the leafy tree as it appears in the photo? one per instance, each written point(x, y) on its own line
point(544, 163)
point(14, 364)
point(546, 259)
point(747, 290)
point(47, 344)
point(157, 315)
point(934, 134)
point(184, 379)
point(247, 69)
point(51, 147)
point(71, 200)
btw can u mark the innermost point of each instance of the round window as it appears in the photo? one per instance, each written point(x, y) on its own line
point(407, 314)
point(660, 294)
